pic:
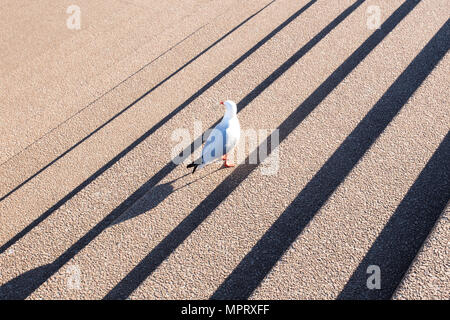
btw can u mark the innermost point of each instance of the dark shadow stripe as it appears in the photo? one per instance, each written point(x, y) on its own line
point(168, 168)
point(163, 250)
point(399, 242)
point(299, 54)
point(156, 126)
point(251, 271)
point(22, 286)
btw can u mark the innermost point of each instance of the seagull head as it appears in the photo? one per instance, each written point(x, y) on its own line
point(231, 108)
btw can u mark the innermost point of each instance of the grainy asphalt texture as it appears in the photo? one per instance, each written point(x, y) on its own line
point(92, 205)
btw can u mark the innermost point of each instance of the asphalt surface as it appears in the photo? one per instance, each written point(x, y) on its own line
point(92, 205)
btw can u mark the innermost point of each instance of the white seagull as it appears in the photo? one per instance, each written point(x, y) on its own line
point(222, 140)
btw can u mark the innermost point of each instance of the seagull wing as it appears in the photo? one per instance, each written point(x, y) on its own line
point(214, 147)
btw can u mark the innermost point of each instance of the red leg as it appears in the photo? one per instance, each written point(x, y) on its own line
point(227, 165)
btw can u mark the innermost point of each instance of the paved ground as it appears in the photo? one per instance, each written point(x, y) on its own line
point(92, 206)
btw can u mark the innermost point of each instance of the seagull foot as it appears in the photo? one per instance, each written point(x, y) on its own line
point(229, 165)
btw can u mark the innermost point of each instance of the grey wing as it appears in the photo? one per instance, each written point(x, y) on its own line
point(215, 145)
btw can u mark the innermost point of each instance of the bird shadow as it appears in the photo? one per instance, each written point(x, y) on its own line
point(157, 195)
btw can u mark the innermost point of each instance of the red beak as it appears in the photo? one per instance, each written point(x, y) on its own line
point(221, 102)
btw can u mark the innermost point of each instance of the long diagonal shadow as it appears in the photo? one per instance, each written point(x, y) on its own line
point(402, 237)
point(163, 250)
point(246, 277)
point(159, 124)
point(29, 284)
point(169, 167)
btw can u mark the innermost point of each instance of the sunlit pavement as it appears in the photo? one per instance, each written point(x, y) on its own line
point(352, 203)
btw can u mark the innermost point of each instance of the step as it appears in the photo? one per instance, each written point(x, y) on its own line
point(54, 184)
point(219, 58)
point(76, 68)
point(202, 261)
point(49, 147)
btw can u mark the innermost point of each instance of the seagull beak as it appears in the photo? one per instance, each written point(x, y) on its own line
point(221, 102)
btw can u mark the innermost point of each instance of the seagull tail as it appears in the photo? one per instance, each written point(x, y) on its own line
point(193, 165)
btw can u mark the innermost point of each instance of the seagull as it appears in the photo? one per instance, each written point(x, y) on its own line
point(222, 140)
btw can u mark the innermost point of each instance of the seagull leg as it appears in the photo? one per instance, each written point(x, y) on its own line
point(227, 165)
